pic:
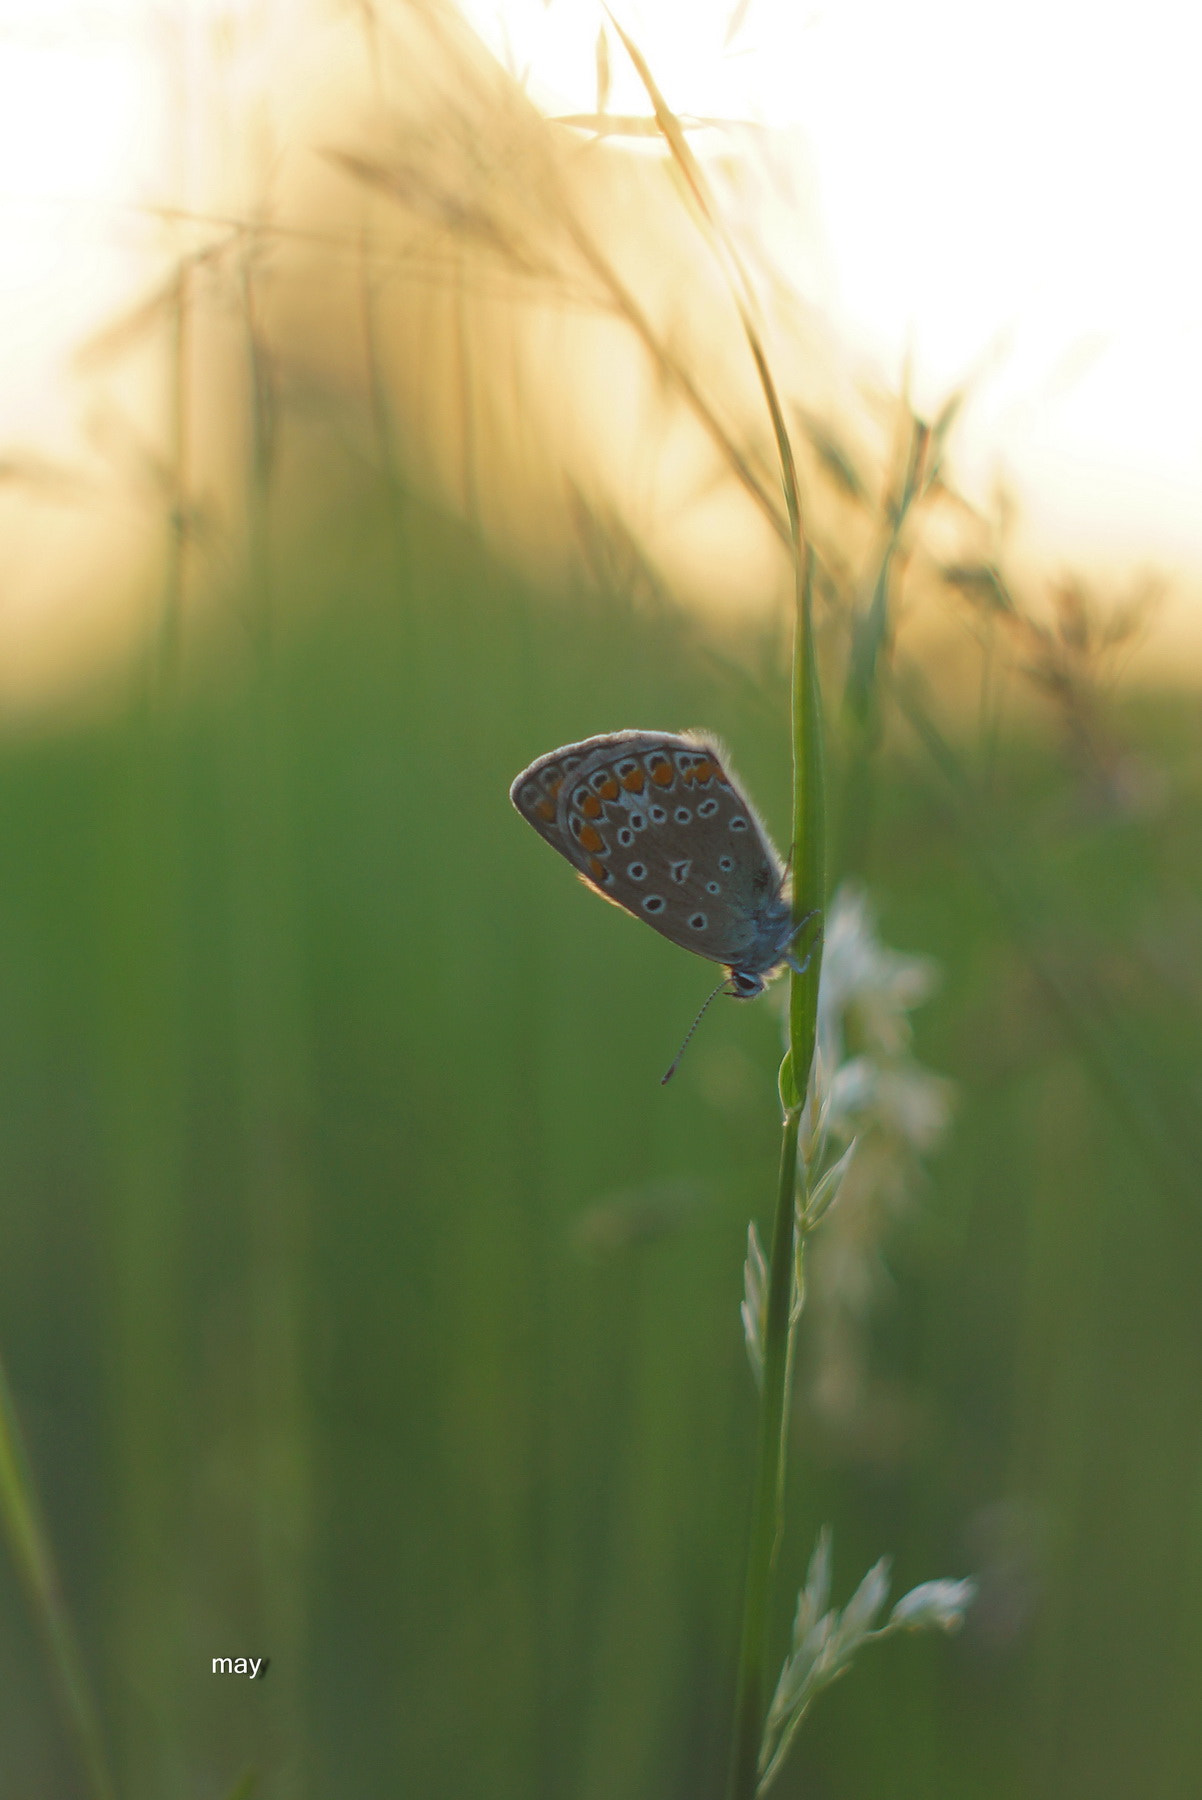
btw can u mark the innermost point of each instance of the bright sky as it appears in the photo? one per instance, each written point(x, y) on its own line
point(1002, 192)
point(76, 109)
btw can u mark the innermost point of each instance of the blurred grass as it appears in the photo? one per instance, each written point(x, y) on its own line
point(349, 1323)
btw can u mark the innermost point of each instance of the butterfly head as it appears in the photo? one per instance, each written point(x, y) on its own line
point(744, 985)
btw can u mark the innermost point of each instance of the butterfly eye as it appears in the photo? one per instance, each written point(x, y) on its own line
point(746, 986)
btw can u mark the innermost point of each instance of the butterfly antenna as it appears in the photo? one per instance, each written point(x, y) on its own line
point(665, 1079)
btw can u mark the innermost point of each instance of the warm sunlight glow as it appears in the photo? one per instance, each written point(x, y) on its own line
point(78, 130)
point(1004, 197)
point(107, 124)
point(1000, 200)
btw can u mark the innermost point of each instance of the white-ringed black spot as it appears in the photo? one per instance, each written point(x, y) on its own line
point(683, 816)
point(698, 922)
point(575, 825)
point(580, 796)
point(599, 780)
point(684, 760)
point(707, 809)
point(726, 864)
point(638, 821)
point(654, 903)
point(656, 814)
point(637, 871)
point(626, 767)
point(625, 837)
point(680, 870)
point(549, 776)
point(738, 823)
point(711, 887)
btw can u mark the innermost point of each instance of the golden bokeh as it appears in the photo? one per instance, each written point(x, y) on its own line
point(373, 202)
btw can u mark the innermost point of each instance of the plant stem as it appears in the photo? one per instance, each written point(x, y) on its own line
point(809, 878)
point(809, 899)
point(809, 838)
point(29, 1543)
point(769, 1483)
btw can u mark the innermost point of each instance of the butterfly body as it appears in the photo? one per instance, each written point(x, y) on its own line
point(654, 822)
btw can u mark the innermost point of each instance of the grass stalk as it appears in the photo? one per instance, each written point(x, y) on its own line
point(809, 869)
point(29, 1544)
point(179, 521)
point(769, 1480)
point(808, 857)
point(275, 1103)
point(869, 651)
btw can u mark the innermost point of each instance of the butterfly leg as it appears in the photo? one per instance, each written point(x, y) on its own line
point(800, 968)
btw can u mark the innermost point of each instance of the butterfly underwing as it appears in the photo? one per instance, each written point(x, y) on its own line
point(655, 822)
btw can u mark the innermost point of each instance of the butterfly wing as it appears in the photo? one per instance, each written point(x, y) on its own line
point(654, 822)
point(536, 791)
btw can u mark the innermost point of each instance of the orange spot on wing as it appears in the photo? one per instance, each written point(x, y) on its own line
point(703, 771)
point(553, 787)
point(661, 773)
point(609, 789)
point(591, 838)
point(596, 868)
point(634, 781)
point(545, 810)
point(590, 806)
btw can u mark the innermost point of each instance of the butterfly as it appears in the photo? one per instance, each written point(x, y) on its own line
point(655, 822)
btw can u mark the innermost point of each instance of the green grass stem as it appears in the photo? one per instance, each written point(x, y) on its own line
point(29, 1544)
point(808, 897)
point(769, 1480)
point(809, 877)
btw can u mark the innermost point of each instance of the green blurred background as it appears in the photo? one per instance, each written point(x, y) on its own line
point(369, 1306)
